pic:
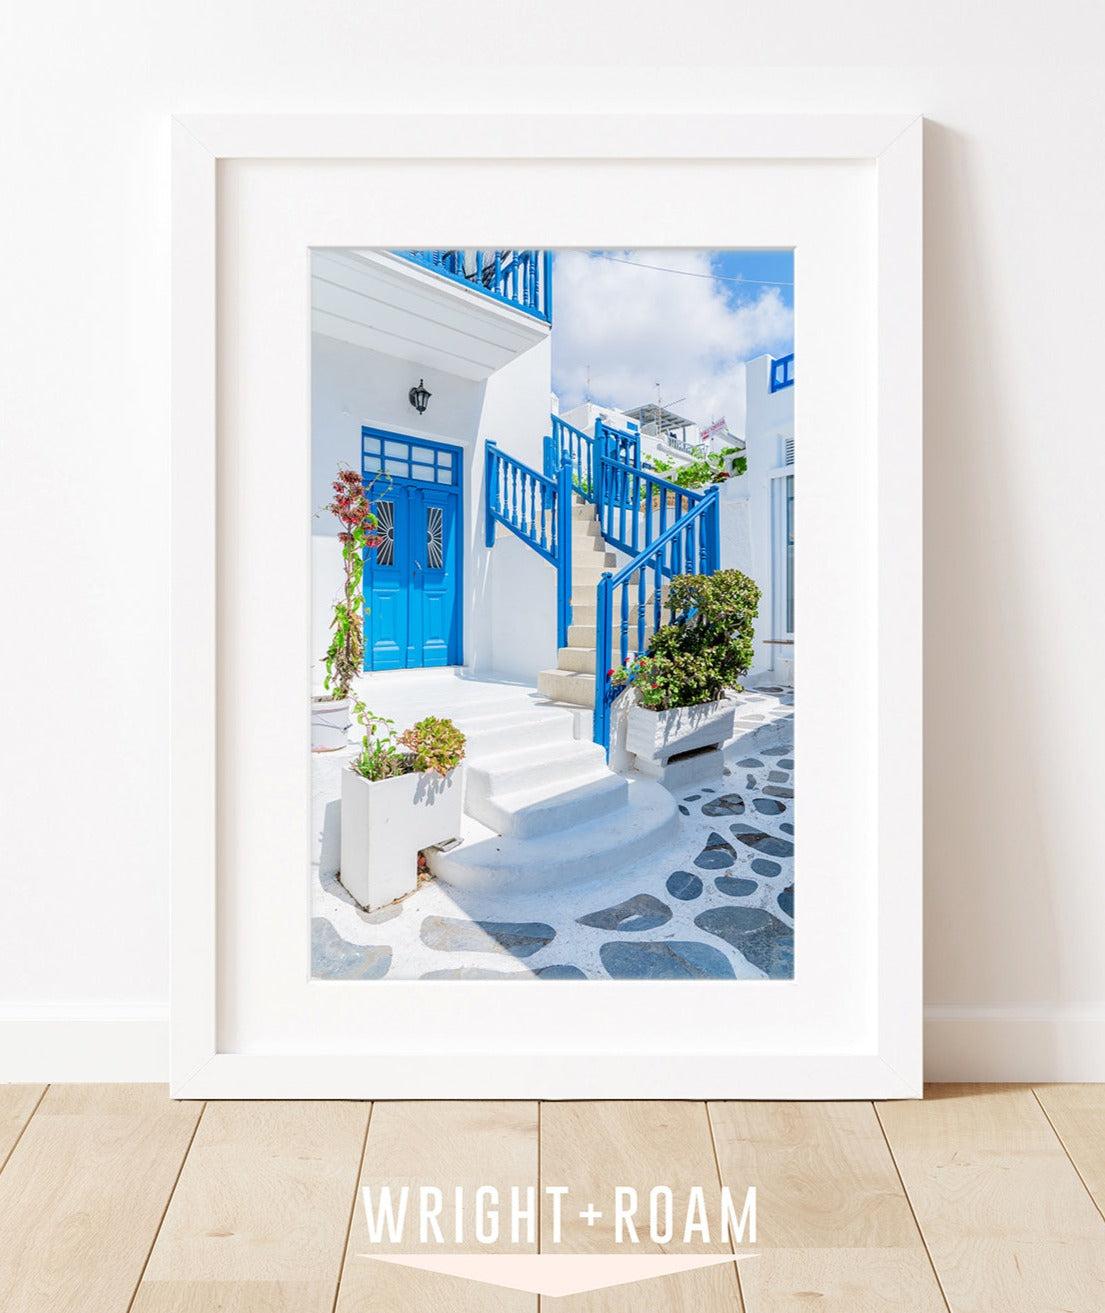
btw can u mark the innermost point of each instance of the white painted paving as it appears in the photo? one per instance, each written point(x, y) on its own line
point(704, 904)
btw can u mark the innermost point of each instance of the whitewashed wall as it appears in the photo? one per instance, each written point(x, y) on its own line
point(749, 506)
point(1015, 271)
point(509, 593)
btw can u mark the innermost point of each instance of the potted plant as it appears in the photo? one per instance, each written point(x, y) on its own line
point(680, 683)
point(344, 660)
point(399, 795)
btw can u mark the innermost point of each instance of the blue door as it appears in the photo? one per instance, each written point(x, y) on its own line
point(412, 580)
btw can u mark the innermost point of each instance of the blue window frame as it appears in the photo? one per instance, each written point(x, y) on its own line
point(408, 458)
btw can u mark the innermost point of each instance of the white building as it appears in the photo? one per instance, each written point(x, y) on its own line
point(757, 513)
point(383, 324)
point(488, 597)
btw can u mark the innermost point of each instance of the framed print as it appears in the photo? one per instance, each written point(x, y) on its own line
point(492, 567)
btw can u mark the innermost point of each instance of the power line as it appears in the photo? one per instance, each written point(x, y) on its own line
point(690, 273)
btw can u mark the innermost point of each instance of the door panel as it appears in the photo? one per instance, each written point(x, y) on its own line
point(387, 568)
point(412, 580)
point(435, 609)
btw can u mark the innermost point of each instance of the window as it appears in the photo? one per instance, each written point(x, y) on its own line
point(385, 531)
point(398, 458)
point(435, 538)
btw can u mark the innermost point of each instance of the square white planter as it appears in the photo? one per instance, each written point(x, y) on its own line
point(384, 824)
point(657, 735)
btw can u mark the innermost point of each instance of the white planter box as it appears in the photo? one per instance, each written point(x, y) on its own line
point(384, 824)
point(657, 735)
point(330, 722)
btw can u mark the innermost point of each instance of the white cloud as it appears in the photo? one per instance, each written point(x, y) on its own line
point(635, 327)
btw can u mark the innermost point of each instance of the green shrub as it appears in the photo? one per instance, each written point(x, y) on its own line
point(700, 658)
point(433, 744)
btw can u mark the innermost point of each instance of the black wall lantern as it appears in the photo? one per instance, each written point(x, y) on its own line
point(419, 396)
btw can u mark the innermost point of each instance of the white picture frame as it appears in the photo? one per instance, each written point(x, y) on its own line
point(247, 1022)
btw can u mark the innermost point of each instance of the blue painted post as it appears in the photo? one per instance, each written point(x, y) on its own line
point(549, 457)
point(598, 451)
point(491, 492)
point(564, 551)
point(548, 285)
point(712, 527)
point(604, 619)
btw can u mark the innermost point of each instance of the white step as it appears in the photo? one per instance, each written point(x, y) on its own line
point(567, 686)
point(581, 659)
point(593, 558)
point(507, 731)
point(491, 863)
point(580, 635)
point(550, 807)
point(511, 772)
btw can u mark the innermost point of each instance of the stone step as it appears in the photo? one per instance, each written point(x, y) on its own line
point(576, 658)
point(492, 863)
point(552, 807)
point(586, 635)
point(594, 557)
point(567, 686)
point(506, 731)
point(513, 772)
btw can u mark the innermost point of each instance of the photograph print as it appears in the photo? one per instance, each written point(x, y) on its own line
point(552, 667)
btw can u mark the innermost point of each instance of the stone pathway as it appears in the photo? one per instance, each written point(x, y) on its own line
point(716, 903)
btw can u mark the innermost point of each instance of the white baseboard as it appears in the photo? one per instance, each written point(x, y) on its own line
point(130, 1042)
point(1014, 1043)
point(44, 1043)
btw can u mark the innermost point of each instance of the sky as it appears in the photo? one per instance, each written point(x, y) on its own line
point(685, 322)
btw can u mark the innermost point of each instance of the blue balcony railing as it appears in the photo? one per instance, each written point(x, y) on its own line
point(782, 373)
point(522, 279)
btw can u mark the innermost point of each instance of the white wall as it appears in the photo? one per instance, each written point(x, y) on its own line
point(509, 593)
point(1015, 266)
point(750, 510)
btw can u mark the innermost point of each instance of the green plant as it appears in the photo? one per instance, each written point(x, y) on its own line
point(700, 657)
point(344, 658)
point(716, 467)
point(433, 744)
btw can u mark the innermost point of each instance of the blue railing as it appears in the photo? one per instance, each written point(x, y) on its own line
point(636, 508)
point(782, 373)
point(618, 444)
point(538, 509)
point(522, 279)
point(569, 443)
point(631, 604)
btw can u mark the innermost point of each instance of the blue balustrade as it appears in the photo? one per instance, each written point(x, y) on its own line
point(631, 604)
point(522, 279)
point(538, 509)
point(782, 373)
point(566, 441)
point(636, 507)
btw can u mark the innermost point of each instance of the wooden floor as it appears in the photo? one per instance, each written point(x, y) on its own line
point(115, 1198)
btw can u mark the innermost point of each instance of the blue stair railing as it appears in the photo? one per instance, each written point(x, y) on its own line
point(636, 507)
point(584, 450)
point(631, 605)
point(568, 442)
point(538, 509)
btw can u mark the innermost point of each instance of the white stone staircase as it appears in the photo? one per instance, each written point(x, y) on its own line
point(542, 807)
point(573, 678)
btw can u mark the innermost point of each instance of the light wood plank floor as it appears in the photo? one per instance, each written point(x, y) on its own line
point(980, 1199)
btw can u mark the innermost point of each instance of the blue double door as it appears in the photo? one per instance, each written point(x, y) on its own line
point(412, 581)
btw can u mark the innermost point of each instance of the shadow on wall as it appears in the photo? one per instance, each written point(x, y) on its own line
point(990, 854)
